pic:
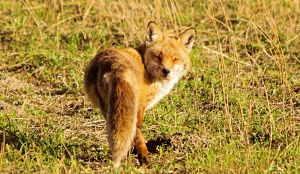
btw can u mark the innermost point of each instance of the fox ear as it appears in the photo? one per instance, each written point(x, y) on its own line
point(187, 37)
point(154, 32)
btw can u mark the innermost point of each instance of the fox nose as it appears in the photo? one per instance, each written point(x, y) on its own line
point(166, 71)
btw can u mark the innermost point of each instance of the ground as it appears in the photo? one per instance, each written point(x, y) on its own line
point(238, 111)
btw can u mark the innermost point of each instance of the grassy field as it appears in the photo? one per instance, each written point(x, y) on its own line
point(238, 111)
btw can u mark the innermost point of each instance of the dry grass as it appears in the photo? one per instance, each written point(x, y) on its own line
point(237, 112)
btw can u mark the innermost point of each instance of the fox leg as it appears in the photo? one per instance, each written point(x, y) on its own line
point(141, 147)
point(139, 140)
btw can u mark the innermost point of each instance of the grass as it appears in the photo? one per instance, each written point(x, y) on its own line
point(237, 112)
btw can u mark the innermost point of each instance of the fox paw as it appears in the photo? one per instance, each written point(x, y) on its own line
point(144, 160)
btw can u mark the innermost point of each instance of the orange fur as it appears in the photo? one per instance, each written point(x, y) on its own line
point(124, 83)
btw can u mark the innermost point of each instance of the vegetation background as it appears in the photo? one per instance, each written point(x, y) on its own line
point(237, 112)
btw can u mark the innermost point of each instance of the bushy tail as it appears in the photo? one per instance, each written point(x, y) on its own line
point(121, 119)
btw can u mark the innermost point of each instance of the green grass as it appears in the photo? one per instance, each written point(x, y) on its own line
point(238, 111)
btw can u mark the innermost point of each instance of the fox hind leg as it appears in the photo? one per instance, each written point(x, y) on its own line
point(139, 140)
point(141, 147)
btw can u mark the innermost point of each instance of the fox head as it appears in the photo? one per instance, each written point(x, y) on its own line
point(167, 56)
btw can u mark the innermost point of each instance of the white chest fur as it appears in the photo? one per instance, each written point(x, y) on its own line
point(164, 87)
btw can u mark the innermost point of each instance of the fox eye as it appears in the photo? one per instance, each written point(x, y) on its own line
point(176, 59)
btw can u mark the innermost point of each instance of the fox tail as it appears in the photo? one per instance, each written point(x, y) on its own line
point(121, 119)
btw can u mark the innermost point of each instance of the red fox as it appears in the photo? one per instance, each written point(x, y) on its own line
point(126, 82)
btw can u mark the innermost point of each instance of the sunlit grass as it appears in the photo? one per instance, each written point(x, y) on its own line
point(238, 111)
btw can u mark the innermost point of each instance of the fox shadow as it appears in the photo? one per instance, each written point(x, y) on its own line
point(154, 144)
